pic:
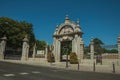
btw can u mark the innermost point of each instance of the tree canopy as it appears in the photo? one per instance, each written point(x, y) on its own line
point(15, 31)
point(99, 49)
point(97, 45)
point(40, 45)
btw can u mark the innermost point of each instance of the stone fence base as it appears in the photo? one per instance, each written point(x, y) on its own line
point(104, 61)
point(110, 61)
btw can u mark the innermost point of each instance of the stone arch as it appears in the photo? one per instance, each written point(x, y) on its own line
point(63, 26)
point(68, 31)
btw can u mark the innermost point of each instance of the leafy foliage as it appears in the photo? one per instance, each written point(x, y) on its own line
point(99, 49)
point(40, 44)
point(16, 31)
point(68, 45)
point(73, 58)
point(110, 51)
point(97, 45)
point(50, 57)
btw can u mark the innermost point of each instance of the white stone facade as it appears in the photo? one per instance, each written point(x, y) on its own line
point(68, 31)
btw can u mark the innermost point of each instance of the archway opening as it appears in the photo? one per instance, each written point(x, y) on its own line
point(66, 49)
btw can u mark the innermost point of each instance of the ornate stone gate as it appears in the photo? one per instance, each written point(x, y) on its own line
point(68, 31)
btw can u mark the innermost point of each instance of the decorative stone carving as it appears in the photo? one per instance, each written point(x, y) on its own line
point(68, 31)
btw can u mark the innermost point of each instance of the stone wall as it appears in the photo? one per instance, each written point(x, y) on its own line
point(110, 56)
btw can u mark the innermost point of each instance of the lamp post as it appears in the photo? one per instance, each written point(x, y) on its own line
point(66, 48)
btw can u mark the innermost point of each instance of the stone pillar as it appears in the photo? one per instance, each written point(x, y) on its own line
point(74, 44)
point(92, 49)
point(25, 49)
point(34, 51)
point(55, 48)
point(81, 50)
point(119, 48)
point(46, 51)
point(58, 51)
point(2, 47)
point(78, 47)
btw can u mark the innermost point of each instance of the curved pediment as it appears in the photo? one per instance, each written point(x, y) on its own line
point(66, 29)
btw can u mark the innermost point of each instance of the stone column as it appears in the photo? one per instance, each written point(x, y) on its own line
point(34, 51)
point(81, 50)
point(2, 47)
point(74, 44)
point(58, 51)
point(92, 49)
point(119, 48)
point(55, 48)
point(25, 49)
point(46, 51)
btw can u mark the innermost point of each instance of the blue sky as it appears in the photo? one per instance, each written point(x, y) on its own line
point(98, 18)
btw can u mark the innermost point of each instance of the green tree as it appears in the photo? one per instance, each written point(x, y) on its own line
point(97, 46)
point(112, 51)
point(16, 31)
point(68, 45)
point(99, 49)
point(40, 44)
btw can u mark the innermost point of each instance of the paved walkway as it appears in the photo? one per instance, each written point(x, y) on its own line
point(82, 66)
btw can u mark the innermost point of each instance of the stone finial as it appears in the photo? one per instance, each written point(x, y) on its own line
point(78, 22)
point(92, 41)
point(67, 19)
point(56, 30)
point(46, 45)
point(25, 39)
point(57, 27)
point(78, 28)
point(119, 39)
point(4, 37)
